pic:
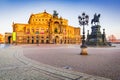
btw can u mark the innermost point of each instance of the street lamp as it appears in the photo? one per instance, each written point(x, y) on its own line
point(83, 20)
point(103, 36)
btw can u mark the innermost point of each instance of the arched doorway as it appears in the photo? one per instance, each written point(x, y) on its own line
point(47, 41)
point(65, 42)
point(61, 41)
point(32, 40)
point(9, 39)
point(56, 40)
point(42, 41)
point(37, 40)
point(28, 40)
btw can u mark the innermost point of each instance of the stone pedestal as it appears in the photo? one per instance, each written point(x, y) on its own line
point(96, 38)
point(83, 51)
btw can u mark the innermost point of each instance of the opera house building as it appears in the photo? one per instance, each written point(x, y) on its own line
point(44, 28)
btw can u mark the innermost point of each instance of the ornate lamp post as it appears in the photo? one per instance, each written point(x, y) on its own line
point(83, 20)
point(103, 37)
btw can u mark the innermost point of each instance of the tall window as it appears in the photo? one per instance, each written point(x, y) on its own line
point(57, 28)
point(37, 31)
point(47, 30)
point(32, 30)
point(24, 29)
point(28, 31)
point(42, 31)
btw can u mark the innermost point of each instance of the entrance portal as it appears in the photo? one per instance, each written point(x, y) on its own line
point(47, 41)
point(9, 39)
point(32, 41)
point(56, 40)
point(42, 41)
point(28, 40)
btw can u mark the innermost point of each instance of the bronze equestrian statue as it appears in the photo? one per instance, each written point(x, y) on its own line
point(95, 19)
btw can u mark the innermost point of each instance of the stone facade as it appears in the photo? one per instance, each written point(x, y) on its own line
point(45, 28)
point(8, 38)
point(1, 38)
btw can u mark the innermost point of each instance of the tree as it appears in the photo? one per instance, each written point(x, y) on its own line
point(112, 38)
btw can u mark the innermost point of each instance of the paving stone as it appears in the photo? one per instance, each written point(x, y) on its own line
point(15, 66)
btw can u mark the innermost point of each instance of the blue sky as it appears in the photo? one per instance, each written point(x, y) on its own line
point(19, 11)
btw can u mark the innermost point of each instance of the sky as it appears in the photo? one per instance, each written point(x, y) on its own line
point(19, 11)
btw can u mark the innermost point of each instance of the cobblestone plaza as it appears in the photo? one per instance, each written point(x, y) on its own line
point(58, 62)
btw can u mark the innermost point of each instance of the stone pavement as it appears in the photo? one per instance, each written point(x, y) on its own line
point(14, 66)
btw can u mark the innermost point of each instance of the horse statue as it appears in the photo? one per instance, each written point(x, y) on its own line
point(95, 19)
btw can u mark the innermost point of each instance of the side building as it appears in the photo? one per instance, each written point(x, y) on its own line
point(44, 28)
point(1, 39)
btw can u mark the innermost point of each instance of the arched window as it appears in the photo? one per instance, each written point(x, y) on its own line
point(37, 31)
point(33, 30)
point(28, 31)
point(57, 27)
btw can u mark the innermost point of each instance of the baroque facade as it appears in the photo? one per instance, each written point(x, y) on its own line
point(44, 28)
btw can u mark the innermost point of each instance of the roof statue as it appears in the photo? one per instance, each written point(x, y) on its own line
point(55, 14)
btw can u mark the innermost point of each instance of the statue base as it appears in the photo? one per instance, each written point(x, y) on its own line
point(96, 38)
point(83, 51)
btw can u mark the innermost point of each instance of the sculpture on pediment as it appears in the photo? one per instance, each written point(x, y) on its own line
point(55, 14)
